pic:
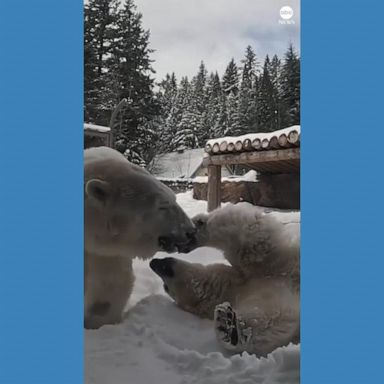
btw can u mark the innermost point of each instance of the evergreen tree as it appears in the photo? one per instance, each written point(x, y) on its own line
point(117, 65)
point(221, 126)
point(198, 110)
point(131, 66)
point(274, 70)
point(230, 81)
point(232, 124)
point(290, 88)
point(230, 113)
point(181, 123)
point(200, 88)
point(99, 23)
point(131, 49)
point(147, 143)
point(266, 103)
point(186, 134)
point(247, 96)
point(215, 105)
point(167, 97)
point(167, 94)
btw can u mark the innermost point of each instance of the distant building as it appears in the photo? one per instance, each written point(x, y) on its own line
point(186, 164)
point(97, 136)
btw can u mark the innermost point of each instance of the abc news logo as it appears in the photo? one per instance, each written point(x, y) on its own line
point(286, 14)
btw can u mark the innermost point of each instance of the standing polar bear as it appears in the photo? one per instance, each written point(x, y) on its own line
point(127, 214)
point(255, 301)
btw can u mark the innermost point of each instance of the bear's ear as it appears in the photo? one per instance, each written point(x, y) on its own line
point(98, 189)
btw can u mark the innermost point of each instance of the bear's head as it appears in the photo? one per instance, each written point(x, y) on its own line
point(224, 227)
point(201, 236)
point(127, 210)
point(194, 287)
point(181, 281)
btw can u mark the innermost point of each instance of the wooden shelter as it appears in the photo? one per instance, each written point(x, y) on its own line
point(97, 135)
point(275, 152)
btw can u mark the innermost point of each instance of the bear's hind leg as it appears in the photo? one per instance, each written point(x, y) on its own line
point(255, 333)
point(231, 330)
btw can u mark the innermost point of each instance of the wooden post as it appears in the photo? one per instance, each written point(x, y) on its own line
point(214, 187)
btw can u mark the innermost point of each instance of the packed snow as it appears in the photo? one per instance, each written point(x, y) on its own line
point(160, 343)
point(250, 176)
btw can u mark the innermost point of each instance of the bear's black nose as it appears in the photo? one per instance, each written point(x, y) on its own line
point(189, 245)
point(167, 244)
point(163, 267)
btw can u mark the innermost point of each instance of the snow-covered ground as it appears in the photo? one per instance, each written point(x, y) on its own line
point(160, 343)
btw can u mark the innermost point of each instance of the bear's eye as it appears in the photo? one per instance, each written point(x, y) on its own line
point(199, 223)
point(163, 206)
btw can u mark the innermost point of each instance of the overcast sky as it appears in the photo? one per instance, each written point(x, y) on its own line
point(184, 32)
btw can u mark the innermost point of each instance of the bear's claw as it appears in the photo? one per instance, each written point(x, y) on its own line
point(226, 324)
point(229, 327)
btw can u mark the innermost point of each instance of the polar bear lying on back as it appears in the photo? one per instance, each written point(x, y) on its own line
point(127, 214)
point(255, 302)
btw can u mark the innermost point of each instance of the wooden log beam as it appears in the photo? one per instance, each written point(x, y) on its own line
point(214, 187)
point(216, 148)
point(283, 141)
point(253, 157)
point(265, 143)
point(247, 145)
point(223, 146)
point(231, 147)
point(256, 144)
point(274, 142)
point(239, 146)
point(293, 137)
point(208, 148)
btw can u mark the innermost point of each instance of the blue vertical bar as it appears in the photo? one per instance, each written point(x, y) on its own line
point(342, 192)
point(41, 215)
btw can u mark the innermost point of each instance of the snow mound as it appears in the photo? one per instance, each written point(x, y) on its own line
point(158, 342)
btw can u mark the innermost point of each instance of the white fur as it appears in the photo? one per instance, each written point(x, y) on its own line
point(261, 287)
point(252, 241)
point(126, 210)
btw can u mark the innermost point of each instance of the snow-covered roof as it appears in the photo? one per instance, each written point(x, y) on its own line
point(283, 138)
point(97, 128)
point(178, 164)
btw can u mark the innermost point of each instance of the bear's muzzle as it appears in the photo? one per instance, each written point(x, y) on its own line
point(163, 267)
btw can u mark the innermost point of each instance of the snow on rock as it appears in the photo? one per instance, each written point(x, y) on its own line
point(160, 343)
